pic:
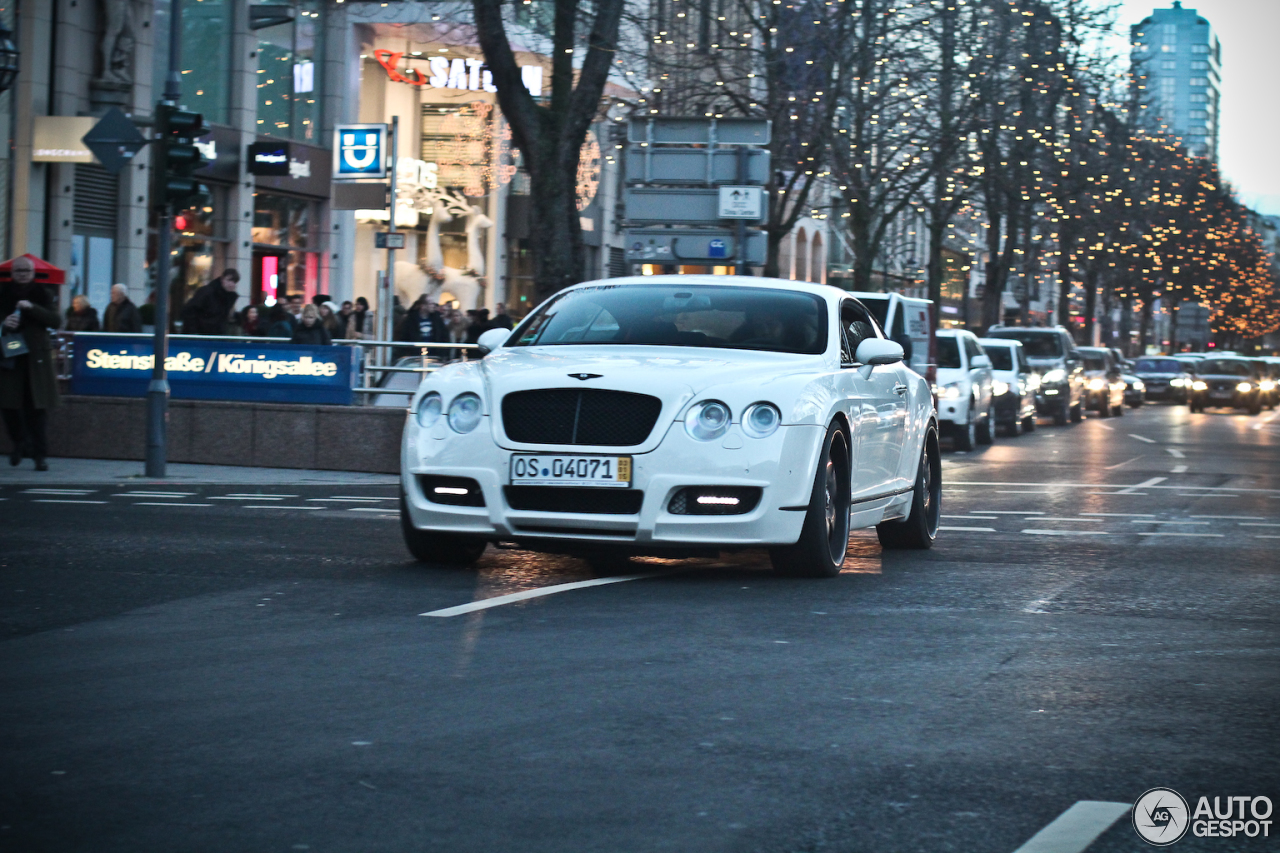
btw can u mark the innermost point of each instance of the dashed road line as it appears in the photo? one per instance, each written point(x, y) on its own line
point(1122, 464)
point(249, 497)
point(154, 495)
point(968, 529)
point(1142, 438)
point(1122, 514)
point(1175, 453)
point(360, 498)
point(1256, 524)
point(1010, 512)
point(1036, 532)
point(527, 594)
point(65, 501)
point(349, 500)
point(1233, 517)
point(1167, 521)
point(1065, 518)
point(280, 506)
point(1177, 533)
point(1179, 469)
point(165, 503)
point(58, 491)
point(1076, 828)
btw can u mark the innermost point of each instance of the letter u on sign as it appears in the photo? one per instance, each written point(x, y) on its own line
point(359, 151)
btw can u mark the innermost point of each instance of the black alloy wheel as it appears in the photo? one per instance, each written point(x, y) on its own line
point(824, 539)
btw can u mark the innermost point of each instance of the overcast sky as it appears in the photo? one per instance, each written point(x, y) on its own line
point(1249, 148)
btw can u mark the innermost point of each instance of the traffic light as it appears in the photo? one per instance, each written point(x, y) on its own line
point(178, 158)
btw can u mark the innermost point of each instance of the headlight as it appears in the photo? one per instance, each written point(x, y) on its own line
point(1244, 387)
point(1033, 382)
point(950, 391)
point(464, 413)
point(429, 409)
point(1176, 382)
point(1055, 375)
point(1097, 384)
point(999, 389)
point(1266, 385)
point(761, 420)
point(1139, 385)
point(1199, 385)
point(708, 420)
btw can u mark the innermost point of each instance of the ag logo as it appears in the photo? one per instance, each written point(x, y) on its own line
point(1160, 816)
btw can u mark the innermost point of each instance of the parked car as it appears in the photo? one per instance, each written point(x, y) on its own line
point(1226, 381)
point(1052, 352)
point(1013, 386)
point(679, 415)
point(1104, 387)
point(966, 408)
point(1165, 378)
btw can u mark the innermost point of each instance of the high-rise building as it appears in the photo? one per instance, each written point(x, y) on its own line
point(1177, 72)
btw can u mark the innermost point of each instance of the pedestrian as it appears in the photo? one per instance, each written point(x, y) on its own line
point(293, 304)
point(279, 325)
point(328, 319)
point(501, 320)
point(81, 316)
point(121, 314)
point(458, 323)
point(310, 329)
point(422, 325)
point(251, 322)
point(28, 385)
point(344, 319)
point(208, 309)
point(479, 325)
point(361, 326)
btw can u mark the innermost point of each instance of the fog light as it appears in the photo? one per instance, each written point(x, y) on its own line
point(718, 500)
point(714, 500)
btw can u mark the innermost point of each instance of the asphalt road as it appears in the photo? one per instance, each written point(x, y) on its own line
point(242, 668)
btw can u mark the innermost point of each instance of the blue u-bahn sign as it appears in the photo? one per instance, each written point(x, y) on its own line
point(359, 151)
point(214, 370)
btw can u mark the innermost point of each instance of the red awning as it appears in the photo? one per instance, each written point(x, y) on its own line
point(46, 273)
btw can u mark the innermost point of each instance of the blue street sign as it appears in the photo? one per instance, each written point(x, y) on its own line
point(717, 249)
point(359, 151)
point(214, 370)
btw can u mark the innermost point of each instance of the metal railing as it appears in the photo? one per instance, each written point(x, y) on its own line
point(374, 358)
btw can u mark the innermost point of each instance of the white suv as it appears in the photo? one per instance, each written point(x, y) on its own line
point(965, 404)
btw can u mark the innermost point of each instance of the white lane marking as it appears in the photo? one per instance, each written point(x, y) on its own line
point(352, 500)
point(1213, 489)
point(1256, 524)
point(1117, 493)
point(1175, 533)
point(1268, 419)
point(357, 498)
point(1142, 438)
point(370, 509)
point(969, 529)
point(1203, 495)
point(58, 491)
point(154, 495)
point(249, 495)
point(1179, 469)
point(1266, 537)
point(244, 498)
point(983, 517)
point(1122, 514)
point(1134, 489)
point(1006, 492)
point(1233, 517)
point(1034, 532)
point(956, 491)
point(1169, 521)
point(64, 501)
point(1076, 828)
point(1122, 464)
point(164, 503)
point(1101, 425)
point(279, 506)
point(498, 601)
point(1175, 453)
point(1058, 518)
point(1010, 512)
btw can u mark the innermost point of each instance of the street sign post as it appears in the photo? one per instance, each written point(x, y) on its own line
point(715, 246)
point(114, 140)
point(388, 240)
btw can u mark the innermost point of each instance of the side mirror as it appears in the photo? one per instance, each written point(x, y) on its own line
point(492, 339)
point(878, 351)
point(980, 361)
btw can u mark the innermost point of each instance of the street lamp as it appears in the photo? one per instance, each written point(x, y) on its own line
point(8, 59)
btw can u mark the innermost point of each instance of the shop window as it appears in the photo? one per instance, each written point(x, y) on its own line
point(206, 62)
point(286, 248)
point(289, 76)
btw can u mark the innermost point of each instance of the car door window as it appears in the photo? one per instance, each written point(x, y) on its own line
point(971, 349)
point(857, 325)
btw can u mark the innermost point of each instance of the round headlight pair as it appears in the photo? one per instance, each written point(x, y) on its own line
point(711, 419)
point(464, 412)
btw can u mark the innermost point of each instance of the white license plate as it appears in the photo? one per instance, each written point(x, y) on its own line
point(1220, 395)
point(528, 469)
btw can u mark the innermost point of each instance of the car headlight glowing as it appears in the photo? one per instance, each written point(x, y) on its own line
point(1097, 384)
point(950, 391)
point(1177, 382)
point(1244, 387)
point(1139, 385)
point(999, 389)
point(464, 413)
point(1266, 385)
point(1199, 385)
point(1033, 382)
point(429, 409)
point(1055, 375)
point(708, 420)
point(761, 420)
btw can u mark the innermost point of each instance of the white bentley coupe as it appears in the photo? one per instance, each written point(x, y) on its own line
point(676, 415)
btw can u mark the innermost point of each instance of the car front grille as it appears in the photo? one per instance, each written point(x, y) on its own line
point(589, 416)
point(574, 499)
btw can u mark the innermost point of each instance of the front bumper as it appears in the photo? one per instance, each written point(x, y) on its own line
point(1049, 399)
point(781, 466)
point(954, 411)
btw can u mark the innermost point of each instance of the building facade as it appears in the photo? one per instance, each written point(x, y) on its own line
point(1177, 72)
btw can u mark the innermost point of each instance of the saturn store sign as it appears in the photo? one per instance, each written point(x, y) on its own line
point(441, 72)
point(280, 373)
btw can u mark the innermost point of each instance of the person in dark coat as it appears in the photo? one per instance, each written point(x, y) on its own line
point(81, 316)
point(209, 308)
point(423, 324)
point(252, 322)
point(480, 323)
point(279, 323)
point(121, 314)
point(28, 385)
point(501, 319)
point(310, 330)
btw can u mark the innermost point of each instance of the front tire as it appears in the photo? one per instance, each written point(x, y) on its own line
point(967, 435)
point(1077, 412)
point(442, 548)
point(1118, 411)
point(1063, 414)
point(919, 529)
point(1029, 423)
point(987, 429)
point(1015, 427)
point(824, 539)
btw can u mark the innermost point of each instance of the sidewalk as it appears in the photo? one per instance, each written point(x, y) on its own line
point(114, 471)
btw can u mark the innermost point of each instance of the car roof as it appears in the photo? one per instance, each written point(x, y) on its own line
point(825, 290)
point(954, 333)
point(1000, 342)
point(1094, 349)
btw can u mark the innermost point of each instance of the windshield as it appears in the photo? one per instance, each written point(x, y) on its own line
point(727, 317)
point(879, 306)
point(1223, 367)
point(1001, 357)
point(948, 353)
point(1034, 344)
point(1157, 365)
point(1094, 361)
